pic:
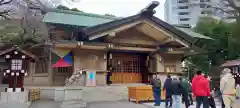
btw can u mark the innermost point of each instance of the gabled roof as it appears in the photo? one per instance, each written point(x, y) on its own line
point(114, 24)
point(68, 17)
point(231, 63)
point(183, 33)
point(193, 34)
point(18, 49)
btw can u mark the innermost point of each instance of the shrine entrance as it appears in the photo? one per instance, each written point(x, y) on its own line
point(128, 68)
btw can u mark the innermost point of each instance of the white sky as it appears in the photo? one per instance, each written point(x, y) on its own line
point(120, 8)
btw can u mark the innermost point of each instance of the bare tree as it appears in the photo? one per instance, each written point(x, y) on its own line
point(4, 12)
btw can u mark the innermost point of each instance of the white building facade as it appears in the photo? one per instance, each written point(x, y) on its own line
point(188, 12)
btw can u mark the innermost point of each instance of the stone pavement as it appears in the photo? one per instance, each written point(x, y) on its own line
point(106, 104)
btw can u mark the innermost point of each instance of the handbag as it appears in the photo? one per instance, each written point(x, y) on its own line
point(211, 102)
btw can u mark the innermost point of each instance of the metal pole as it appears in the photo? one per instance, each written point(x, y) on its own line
point(50, 65)
point(188, 74)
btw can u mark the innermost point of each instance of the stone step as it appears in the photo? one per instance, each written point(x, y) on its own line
point(73, 104)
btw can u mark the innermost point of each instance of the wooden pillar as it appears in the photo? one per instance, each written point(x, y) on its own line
point(50, 71)
point(109, 67)
point(145, 74)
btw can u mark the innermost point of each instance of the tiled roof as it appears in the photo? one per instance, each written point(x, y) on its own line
point(192, 33)
point(76, 18)
point(231, 63)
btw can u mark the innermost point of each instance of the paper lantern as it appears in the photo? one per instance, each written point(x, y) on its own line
point(4, 74)
point(12, 74)
point(8, 71)
point(23, 56)
point(104, 56)
point(7, 56)
point(15, 52)
point(26, 74)
point(22, 71)
point(17, 74)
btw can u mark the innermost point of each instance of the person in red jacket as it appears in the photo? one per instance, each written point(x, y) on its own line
point(201, 89)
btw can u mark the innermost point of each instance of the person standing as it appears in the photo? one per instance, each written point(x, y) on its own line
point(210, 99)
point(166, 87)
point(227, 86)
point(156, 87)
point(190, 93)
point(201, 89)
point(176, 91)
point(185, 85)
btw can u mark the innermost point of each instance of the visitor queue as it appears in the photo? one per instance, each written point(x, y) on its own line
point(178, 89)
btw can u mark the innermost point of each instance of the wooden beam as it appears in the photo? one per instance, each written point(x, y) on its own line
point(63, 45)
point(186, 44)
point(112, 32)
point(134, 49)
point(170, 39)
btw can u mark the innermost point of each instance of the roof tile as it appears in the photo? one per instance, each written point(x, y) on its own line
point(76, 18)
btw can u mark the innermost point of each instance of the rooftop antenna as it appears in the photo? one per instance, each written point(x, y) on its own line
point(149, 9)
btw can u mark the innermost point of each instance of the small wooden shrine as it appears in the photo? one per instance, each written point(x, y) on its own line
point(17, 60)
point(234, 65)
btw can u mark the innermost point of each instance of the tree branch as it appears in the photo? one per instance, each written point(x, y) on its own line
point(233, 5)
point(2, 2)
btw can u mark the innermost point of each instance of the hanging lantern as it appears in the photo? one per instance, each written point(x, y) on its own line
point(15, 52)
point(22, 71)
point(23, 56)
point(160, 58)
point(12, 74)
point(110, 56)
point(4, 74)
point(7, 56)
point(170, 49)
point(8, 71)
point(119, 62)
point(26, 74)
point(104, 56)
point(17, 74)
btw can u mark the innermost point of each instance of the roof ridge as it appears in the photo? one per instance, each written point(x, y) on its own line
point(83, 13)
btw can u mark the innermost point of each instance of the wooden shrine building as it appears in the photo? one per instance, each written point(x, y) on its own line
point(119, 50)
point(17, 61)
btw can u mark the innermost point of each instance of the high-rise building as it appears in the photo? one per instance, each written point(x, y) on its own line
point(188, 12)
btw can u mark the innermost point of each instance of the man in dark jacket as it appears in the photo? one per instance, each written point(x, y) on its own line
point(156, 87)
point(185, 85)
point(176, 91)
point(166, 87)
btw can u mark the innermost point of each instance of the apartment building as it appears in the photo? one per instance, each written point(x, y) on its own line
point(188, 12)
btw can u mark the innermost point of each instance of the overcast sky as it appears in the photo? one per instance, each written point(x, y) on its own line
point(121, 8)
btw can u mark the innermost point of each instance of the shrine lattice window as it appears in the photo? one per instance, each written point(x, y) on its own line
point(41, 66)
point(135, 66)
point(170, 66)
point(16, 64)
point(62, 69)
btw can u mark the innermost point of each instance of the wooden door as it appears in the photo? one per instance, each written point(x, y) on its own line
point(127, 69)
